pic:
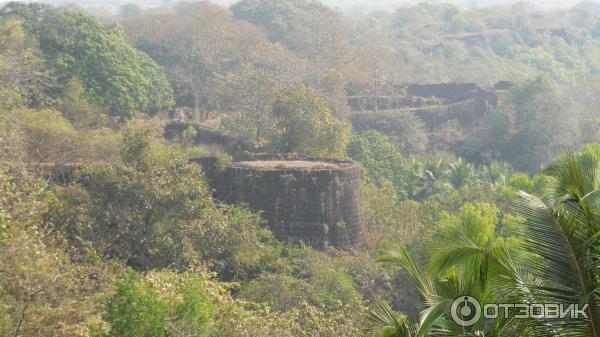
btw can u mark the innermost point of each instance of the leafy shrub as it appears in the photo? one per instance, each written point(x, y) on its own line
point(143, 308)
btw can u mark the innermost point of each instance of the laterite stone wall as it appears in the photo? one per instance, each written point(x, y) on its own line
point(316, 201)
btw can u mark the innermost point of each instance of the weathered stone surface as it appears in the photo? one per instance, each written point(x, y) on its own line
point(434, 104)
point(316, 201)
point(398, 96)
point(453, 92)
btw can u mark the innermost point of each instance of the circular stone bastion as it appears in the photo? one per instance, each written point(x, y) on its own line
point(312, 200)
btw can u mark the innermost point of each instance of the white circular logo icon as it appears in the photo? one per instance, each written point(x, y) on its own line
point(465, 311)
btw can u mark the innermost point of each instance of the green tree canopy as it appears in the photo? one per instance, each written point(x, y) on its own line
point(141, 307)
point(115, 75)
point(306, 124)
point(313, 32)
point(380, 158)
point(24, 76)
point(198, 43)
point(250, 92)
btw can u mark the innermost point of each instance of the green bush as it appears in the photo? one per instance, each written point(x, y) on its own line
point(139, 309)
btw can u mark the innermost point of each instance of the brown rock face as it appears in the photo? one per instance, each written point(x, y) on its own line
point(316, 201)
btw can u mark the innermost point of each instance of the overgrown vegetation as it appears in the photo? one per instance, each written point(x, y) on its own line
point(108, 229)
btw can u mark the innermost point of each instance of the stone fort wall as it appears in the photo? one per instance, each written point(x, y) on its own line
point(434, 104)
point(310, 200)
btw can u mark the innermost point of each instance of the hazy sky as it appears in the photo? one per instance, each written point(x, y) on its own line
point(383, 4)
point(355, 6)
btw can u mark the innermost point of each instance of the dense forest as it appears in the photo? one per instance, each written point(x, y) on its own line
point(461, 144)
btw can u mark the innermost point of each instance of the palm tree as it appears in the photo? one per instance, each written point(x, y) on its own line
point(428, 177)
point(497, 172)
point(385, 322)
point(554, 258)
point(561, 235)
point(464, 258)
point(460, 173)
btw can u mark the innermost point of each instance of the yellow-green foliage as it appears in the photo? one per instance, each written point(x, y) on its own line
point(43, 289)
point(49, 138)
point(306, 125)
point(24, 76)
point(478, 221)
point(78, 109)
point(116, 76)
point(12, 37)
point(160, 303)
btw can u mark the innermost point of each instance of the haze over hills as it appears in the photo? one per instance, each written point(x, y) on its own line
point(349, 6)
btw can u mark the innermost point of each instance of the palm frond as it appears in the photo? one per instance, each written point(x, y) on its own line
point(398, 255)
point(385, 322)
point(430, 316)
point(561, 238)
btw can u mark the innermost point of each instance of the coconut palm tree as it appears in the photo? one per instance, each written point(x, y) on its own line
point(460, 173)
point(553, 257)
point(427, 177)
point(561, 234)
point(497, 172)
point(465, 257)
